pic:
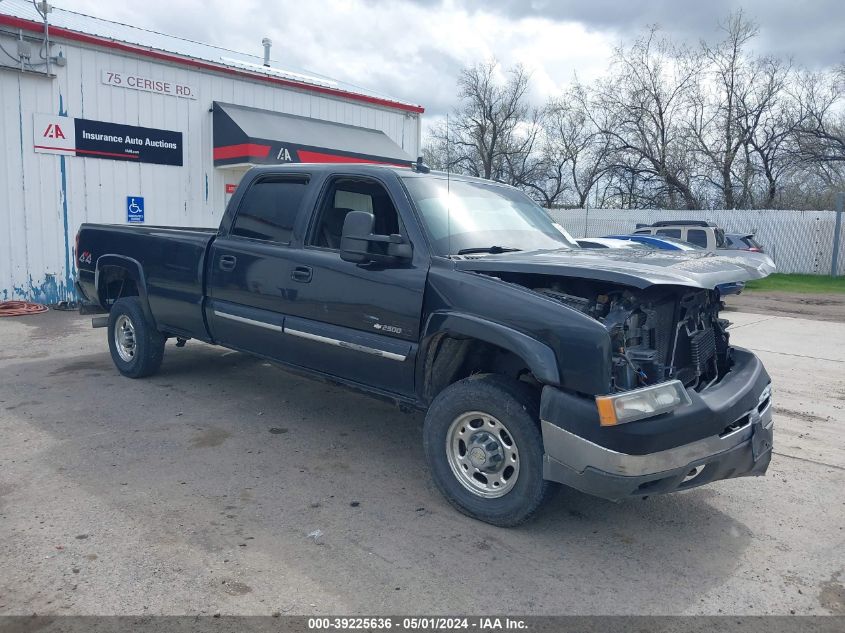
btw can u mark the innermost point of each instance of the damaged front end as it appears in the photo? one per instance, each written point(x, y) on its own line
point(684, 408)
point(652, 398)
point(659, 308)
point(657, 334)
point(681, 411)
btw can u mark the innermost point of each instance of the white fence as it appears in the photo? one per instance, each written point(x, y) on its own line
point(798, 241)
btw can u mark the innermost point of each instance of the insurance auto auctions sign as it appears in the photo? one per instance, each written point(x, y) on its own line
point(99, 139)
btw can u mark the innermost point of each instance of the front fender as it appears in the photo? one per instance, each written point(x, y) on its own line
point(539, 357)
point(566, 348)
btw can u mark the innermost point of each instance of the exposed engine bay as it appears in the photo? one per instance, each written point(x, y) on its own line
point(657, 334)
point(660, 333)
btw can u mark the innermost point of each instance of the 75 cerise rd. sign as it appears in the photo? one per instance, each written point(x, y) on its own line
point(148, 84)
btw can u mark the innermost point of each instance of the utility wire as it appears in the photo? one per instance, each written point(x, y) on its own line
point(17, 60)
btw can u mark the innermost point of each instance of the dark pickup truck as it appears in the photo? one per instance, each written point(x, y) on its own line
point(536, 362)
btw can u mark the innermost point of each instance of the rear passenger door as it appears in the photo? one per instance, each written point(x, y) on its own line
point(249, 269)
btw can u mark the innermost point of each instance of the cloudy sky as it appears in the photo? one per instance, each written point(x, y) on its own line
point(413, 49)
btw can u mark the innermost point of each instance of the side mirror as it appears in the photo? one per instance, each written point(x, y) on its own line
point(400, 250)
point(354, 241)
point(359, 245)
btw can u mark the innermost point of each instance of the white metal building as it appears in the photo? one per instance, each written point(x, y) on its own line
point(104, 122)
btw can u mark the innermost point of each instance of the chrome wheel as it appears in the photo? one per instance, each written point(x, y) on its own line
point(482, 454)
point(124, 338)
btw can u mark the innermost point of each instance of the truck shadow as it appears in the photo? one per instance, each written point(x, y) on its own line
point(234, 447)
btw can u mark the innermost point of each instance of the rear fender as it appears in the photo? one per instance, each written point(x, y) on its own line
point(135, 272)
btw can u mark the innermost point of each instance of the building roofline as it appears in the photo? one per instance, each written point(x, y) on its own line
point(85, 38)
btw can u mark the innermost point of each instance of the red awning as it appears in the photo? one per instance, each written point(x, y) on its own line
point(254, 136)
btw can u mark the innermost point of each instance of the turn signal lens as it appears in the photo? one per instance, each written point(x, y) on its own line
point(641, 403)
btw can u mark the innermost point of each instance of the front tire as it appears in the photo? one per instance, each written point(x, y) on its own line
point(484, 447)
point(136, 347)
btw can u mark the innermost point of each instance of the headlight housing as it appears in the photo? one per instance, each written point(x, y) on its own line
point(637, 404)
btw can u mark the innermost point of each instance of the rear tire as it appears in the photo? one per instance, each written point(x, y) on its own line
point(136, 347)
point(483, 444)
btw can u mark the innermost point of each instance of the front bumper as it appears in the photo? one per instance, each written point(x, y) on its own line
point(726, 432)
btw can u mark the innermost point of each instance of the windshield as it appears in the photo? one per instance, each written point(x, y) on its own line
point(465, 216)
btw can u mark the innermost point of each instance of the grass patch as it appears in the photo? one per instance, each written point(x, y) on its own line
point(803, 284)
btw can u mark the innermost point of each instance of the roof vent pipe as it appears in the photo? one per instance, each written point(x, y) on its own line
point(267, 43)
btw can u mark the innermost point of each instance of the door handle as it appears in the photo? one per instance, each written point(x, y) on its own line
point(302, 274)
point(227, 262)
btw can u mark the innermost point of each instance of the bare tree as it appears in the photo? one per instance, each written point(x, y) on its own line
point(576, 152)
point(484, 129)
point(716, 114)
point(770, 130)
point(667, 127)
point(821, 127)
point(521, 162)
point(641, 108)
point(548, 179)
point(737, 95)
point(434, 149)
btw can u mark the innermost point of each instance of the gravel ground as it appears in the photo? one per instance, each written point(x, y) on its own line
point(226, 485)
point(820, 307)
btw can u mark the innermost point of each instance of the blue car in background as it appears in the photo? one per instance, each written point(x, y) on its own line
point(671, 244)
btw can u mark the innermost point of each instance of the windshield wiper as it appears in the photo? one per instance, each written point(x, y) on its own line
point(494, 250)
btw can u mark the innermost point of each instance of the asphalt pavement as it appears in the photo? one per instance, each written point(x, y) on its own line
point(227, 485)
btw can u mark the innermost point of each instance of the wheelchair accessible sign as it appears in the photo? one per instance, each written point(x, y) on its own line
point(134, 209)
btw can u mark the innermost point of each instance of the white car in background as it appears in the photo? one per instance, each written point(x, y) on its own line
point(704, 234)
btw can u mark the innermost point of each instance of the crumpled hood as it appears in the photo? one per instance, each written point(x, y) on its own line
point(639, 268)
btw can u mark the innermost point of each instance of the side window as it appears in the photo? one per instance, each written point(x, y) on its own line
point(669, 232)
point(643, 232)
point(352, 194)
point(269, 209)
point(353, 200)
point(697, 237)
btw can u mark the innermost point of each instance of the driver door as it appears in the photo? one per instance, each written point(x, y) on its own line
point(359, 322)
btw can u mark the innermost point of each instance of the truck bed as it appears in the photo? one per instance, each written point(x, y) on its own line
point(172, 260)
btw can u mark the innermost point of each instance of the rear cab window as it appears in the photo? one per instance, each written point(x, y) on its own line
point(669, 232)
point(697, 237)
point(269, 209)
